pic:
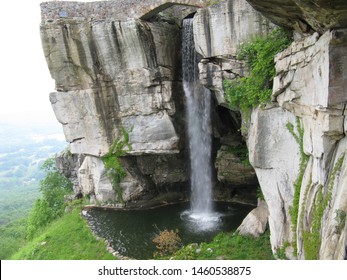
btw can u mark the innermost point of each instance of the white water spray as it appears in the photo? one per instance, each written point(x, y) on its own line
point(198, 112)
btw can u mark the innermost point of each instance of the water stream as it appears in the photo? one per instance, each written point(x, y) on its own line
point(198, 112)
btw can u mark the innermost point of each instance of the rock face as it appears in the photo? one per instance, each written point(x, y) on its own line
point(220, 29)
point(114, 73)
point(108, 75)
point(297, 144)
point(304, 16)
point(310, 86)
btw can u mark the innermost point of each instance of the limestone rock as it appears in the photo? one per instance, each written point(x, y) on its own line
point(212, 73)
point(113, 73)
point(68, 164)
point(275, 156)
point(255, 222)
point(310, 86)
point(305, 15)
point(220, 29)
point(231, 169)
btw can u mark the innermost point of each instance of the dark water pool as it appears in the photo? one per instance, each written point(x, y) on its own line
point(131, 232)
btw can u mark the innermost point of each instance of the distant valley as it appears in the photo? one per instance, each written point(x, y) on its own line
point(23, 149)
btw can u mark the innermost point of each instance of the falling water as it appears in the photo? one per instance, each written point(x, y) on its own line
point(198, 111)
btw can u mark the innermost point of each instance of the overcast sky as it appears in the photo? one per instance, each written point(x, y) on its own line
point(24, 78)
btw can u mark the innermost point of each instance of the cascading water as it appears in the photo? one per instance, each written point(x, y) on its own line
point(198, 111)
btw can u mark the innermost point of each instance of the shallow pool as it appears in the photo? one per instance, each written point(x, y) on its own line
point(131, 232)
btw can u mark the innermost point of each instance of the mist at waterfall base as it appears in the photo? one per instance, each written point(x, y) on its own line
point(198, 113)
point(131, 232)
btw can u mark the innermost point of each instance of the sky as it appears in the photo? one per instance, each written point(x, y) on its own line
point(24, 77)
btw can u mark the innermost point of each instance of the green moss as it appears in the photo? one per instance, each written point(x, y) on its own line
point(113, 165)
point(340, 220)
point(248, 92)
point(298, 135)
point(312, 237)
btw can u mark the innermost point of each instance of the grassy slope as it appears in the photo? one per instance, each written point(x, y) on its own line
point(68, 238)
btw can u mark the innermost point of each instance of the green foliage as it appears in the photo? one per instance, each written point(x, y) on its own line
point(248, 92)
point(260, 194)
point(312, 236)
point(67, 238)
point(298, 135)
point(53, 188)
point(281, 252)
point(12, 237)
point(340, 220)
point(112, 163)
point(229, 246)
point(208, 3)
point(241, 151)
point(167, 242)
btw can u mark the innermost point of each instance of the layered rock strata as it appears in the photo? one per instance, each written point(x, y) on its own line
point(112, 74)
point(310, 91)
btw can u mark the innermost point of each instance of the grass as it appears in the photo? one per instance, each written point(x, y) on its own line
point(68, 238)
point(229, 246)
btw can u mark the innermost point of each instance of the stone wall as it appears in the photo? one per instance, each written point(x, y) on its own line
point(101, 10)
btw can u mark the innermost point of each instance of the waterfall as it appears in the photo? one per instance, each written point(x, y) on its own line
point(198, 111)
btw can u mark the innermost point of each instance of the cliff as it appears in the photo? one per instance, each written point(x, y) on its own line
point(117, 70)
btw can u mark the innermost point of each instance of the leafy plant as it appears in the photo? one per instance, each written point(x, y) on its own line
point(112, 163)
point(53, 187)
point(167, 242)
point(248, 92)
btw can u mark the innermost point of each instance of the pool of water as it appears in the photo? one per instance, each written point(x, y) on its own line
point(131, 232)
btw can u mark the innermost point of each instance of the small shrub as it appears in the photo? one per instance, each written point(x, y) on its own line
point(112, 163)
point(167, 242)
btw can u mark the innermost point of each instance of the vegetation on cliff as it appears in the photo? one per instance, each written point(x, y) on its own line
point(248, 92)
point(112, 162)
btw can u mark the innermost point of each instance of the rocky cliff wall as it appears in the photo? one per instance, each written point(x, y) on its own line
point(297, 144)
point(112, 74)
point(310, 87)
point(114, 70)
